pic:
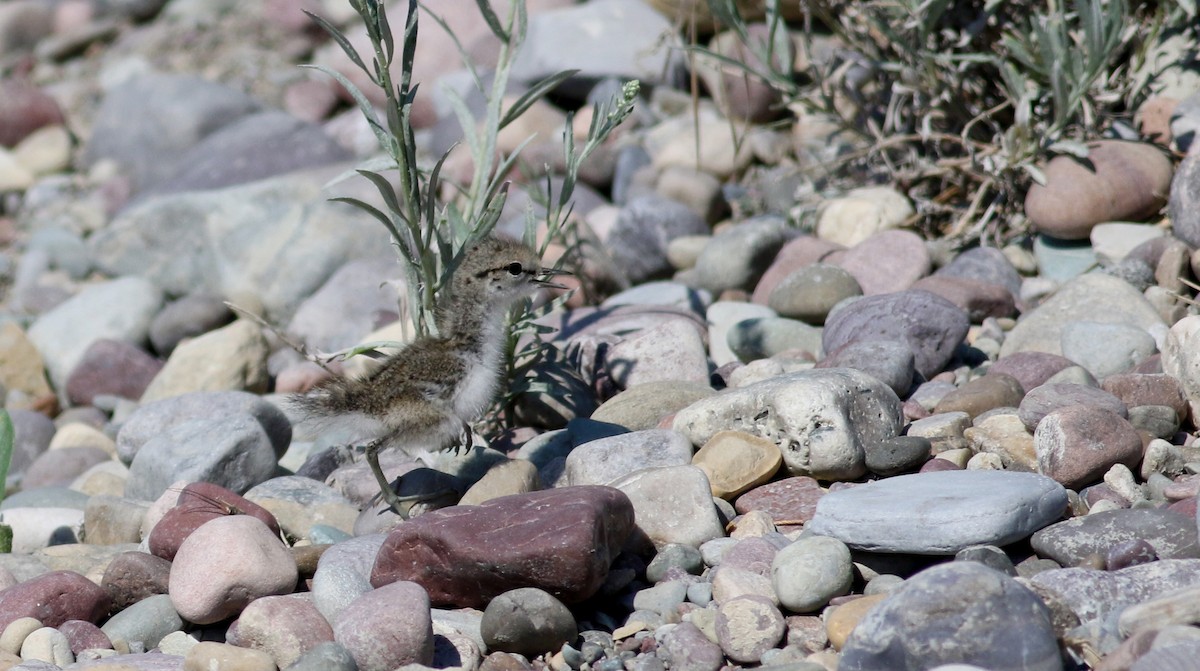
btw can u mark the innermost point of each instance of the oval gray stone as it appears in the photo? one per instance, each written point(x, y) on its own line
point(940, 513)
point(1172, 535)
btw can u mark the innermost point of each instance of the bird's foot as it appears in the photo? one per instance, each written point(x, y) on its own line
point(465, 442)
point(386, 493)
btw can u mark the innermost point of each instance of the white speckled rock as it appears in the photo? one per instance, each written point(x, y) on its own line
point(822, 419)
point(603, 461)
point(810, 572)
point(672, 505)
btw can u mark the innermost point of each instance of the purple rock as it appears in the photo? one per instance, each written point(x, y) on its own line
point(111, 367)
point(54, 598)
point(560, 540)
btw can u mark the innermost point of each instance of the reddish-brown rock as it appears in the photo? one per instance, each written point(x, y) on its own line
point(53, 598)
point(1077, 445)
point(83, 635)
point(198, 503)
point(114, 368)
point(791, 501)
point(1136, 389)
point(24, 108)
point(1041, 401)
point(133, 576)
point(560, 540)
point(1031, 369)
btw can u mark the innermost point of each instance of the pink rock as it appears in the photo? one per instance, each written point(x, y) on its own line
point(198, 503)
point(284, 627)
point(387, 627)
point(1031, 369)
point(58, 467)
point(560, 540)
point(1119, 181)
point(24, 108)
point(888, 261)
point(226, 564)
point(796, 254)
point(1076, 445)
point(53, 598)
point(1140, 389)
point(310, 99)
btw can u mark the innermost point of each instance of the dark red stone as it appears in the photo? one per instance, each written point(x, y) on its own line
point(1136, 389)
point(791, 501)
point(934, 465)
point(24, 108)
point(83, 635)
point(53, 598)
point(133, 576)
point(560, 540)
point(198, 503)
point(113, 368)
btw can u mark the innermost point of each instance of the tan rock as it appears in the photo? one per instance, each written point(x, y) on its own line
point(233, 357)
point(862, 213)
point(1006, 436)
point(736, 462)
point(840, 623)
point(515, 476)
point(21, 363)
point(77, 434)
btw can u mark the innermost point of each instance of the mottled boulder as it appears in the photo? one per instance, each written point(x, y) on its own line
point(931, 326)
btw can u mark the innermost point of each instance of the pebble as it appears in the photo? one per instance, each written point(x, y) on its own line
point(285, 627)
point(1097, 595)
point(844, 618)
point(960, 612)
point(527, 621)
point(818, 417)
point(113, 519)
point(980, 300)
point(901, 454)
point(325, 657)
point(1142, 389)
point(929, 325)
point(187, 317)
point(36, 528)
point(987, 265)
point(722, 317)
point(606, 460)
point(736, 257)
point(231, 358)
point(1053, 396)
point(1106, 349)
point(672, 505)
point(298, 503)
point(132, 577)
point(748, 626)
point(1126, 181)
point(1069, 542)
point(888, 261)
point(224, 565)
point(972, 507)
point(809, 572)
point(789, 501)
point(674, 556)
point(643, 406)
point(810, 292)
point(119, 309)
point(233, 452)
point(670, 351)
point(146, 622)
point(861, 213)
point(888, 361)
point(795, 255)
point(685, 646)
point(645, 227)
point(84, 636)
point(344, 573)
point(53, 598)
point(485, 550)
point(764, 337)
point(21, 363)
point(514, 476)
point(387, 627)
point(1077, 444)
point(1094, 296)
point(61, 466)
point(736, 462)
point(47, 645)
point(991, 391)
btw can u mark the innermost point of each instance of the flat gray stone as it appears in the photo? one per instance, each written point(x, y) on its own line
point(1093, 594)
point(940, 513)
point(234, 452)
point(1172, 535)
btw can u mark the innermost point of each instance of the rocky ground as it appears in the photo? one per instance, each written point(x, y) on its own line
point(832, 446)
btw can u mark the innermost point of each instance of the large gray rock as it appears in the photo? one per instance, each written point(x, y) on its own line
point(119, 309)
point(940, 513)
point(234, 452)
point(671, 505)
point(603, 461)
point(185, 109)
point(737, 257)
point(638, 241)
point(961, 612)
point(1093, 297)
point(264, 246)
point(822, 420)
point(156, 418)
point(348, 306)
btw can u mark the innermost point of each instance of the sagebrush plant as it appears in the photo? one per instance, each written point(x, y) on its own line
point(955, 103)
point(431, 232)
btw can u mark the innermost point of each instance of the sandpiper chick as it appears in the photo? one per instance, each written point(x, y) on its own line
point(426, 394)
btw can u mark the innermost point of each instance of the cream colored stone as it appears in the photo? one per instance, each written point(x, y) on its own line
point(77, 434)
point(736, 462)
point(20, 362)
point(862, 213)
point(1005, 436)
point(515, 476)
point(46, 150)
point(841, 621)
point(230, 358)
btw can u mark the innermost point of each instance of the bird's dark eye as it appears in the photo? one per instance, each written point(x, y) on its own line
point(515, 269)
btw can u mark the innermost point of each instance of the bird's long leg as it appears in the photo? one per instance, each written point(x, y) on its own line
point(385, 488)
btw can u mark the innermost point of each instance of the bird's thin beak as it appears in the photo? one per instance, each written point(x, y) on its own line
point(544, 275)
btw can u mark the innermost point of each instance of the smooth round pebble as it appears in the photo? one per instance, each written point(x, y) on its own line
point(810, 572)
point(735, 462)
point(748, 626)
point(527, 621)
